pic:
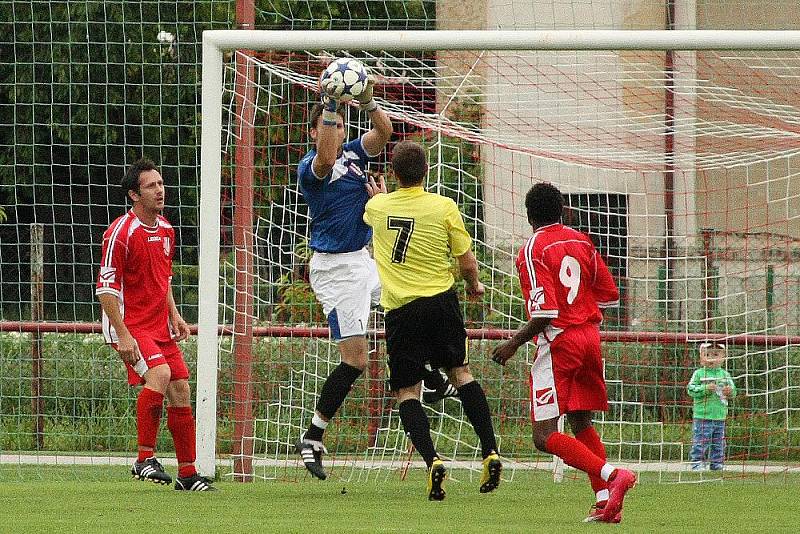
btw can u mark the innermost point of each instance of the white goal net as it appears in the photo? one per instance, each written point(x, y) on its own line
point(681, 165)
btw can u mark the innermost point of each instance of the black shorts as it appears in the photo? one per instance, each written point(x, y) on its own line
point(426, 330)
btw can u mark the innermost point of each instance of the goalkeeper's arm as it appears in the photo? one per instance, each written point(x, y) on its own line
point(374, 140)
point(328, 140)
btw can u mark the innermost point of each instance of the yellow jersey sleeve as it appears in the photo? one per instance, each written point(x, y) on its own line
point(460, 240)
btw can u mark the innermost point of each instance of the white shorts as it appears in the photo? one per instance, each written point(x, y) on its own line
point(347, 286)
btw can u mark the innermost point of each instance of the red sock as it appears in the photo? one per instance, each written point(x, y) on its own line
point(181, 424)
point(574, 453)
point(148, 415)
point(591, 439)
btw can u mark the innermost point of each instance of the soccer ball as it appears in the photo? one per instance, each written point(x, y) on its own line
point(344, 79)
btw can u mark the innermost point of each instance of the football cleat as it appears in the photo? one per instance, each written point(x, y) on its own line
point(446, 390)
point(194, 483)
point(152, 470)
point(596, 514)
point(310, 452)
point(436, 477)
point(620, 482)
point(490, 477)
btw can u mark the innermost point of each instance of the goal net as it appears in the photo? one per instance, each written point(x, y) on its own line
point(682, 165)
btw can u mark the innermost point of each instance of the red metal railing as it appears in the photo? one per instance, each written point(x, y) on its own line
point(665, 338)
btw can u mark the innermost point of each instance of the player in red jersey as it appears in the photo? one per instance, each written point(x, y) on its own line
point(141, 321)
point(565, 282)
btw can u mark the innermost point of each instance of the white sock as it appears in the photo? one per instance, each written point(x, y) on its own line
point(606, 471)
point(319, 422)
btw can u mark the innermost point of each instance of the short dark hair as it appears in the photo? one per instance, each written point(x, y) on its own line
point(130, 182)
point(410, 163)
point(316, 113)
point(544, 204)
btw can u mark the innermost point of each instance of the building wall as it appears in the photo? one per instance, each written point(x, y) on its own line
point(727, 194)
point(732, 192)
point(760, 198)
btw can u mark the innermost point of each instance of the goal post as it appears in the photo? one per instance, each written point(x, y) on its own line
point(499, 156)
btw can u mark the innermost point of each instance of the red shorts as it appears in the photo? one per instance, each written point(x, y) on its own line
point(158, 353)
point(567, 374)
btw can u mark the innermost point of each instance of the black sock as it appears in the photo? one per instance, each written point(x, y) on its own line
point(477, 410)
point(416, 424)
point(314, 432)
point(334, 391)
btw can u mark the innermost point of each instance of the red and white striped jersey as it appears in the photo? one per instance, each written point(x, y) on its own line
point(564, 278)
point(136, 266)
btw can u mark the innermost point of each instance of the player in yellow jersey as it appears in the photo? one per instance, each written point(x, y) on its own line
point(415, 234)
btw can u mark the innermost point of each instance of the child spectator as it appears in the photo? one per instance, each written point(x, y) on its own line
point(711, 387)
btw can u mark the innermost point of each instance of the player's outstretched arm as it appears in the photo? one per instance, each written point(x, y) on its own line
point(375, 140)
point(328, 126)
point(328, 140)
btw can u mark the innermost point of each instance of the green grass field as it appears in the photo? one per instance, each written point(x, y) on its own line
point(530, 503)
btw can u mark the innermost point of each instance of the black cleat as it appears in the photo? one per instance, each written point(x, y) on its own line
point(194, 483)
point(310, 452)
point(490, 477)
point(152, 470)
point(436, 477)
point(430, 396)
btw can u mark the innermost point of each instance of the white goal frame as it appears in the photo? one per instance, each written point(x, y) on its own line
point(217, 42)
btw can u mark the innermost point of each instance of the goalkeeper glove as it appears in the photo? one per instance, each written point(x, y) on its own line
point(366, 102)
point(329, 104)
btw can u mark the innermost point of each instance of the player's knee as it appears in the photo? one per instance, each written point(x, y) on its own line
point(158, 377)
point(460, 376)
point(179, 393)
point(579, 421)
point(354, 352)
point(356, 360)
point(409, 393)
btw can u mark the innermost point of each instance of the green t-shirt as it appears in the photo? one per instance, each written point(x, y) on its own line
point(710, 404)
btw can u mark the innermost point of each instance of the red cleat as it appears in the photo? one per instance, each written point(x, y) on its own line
point(618, 485)
point(596, 514)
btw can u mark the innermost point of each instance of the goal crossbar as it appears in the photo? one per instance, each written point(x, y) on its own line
point(504, 40)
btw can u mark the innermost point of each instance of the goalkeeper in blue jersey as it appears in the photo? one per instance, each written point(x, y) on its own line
point(333, 180)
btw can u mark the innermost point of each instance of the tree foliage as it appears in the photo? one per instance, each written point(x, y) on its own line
point(85, 88)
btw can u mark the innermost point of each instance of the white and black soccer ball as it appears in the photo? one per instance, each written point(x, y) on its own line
point(344, 79)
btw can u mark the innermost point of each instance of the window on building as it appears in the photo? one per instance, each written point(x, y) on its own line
point(603, 216)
